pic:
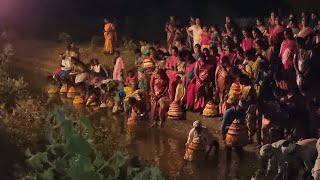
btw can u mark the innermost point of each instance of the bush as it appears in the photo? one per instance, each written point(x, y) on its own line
point(72, 155)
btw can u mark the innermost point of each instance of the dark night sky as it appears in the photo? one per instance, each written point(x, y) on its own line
point(49, 14)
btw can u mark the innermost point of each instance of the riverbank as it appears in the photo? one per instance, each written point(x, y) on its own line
point(35, 59)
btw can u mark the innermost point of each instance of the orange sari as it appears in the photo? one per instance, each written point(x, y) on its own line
point(109, 30)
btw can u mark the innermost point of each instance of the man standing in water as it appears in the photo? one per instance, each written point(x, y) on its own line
point(110, 36)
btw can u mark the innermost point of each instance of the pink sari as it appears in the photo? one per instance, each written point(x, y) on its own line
point(202, 69)
point(287, 53)
point(172, 76)
point(275, 34)
point(117, 70)
point(247, 44)
point(190, 86)
point(231, 56)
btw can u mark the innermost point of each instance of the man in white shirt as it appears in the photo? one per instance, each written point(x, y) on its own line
point(195, 31)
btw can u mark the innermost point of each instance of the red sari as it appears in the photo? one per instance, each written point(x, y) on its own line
point(276, 34)
point(172, 76)
point(159, 105)
point(202, 69)
point(190, 84)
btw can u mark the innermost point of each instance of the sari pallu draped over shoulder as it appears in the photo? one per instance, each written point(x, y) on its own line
point(203, 69)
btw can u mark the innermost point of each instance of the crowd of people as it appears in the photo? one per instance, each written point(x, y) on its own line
point(263, 75)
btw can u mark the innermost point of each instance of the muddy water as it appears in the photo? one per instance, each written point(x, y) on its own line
point(165, 147)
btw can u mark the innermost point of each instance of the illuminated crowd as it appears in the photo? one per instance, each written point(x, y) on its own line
point(260, 79)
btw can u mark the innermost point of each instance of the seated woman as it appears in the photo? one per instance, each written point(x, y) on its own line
point(200, 142)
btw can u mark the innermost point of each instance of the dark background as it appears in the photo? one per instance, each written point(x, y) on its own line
point(138, 18)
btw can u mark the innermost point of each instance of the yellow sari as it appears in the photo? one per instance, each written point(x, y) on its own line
point(109, 37)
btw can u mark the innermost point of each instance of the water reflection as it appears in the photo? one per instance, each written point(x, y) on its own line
point(160, 146)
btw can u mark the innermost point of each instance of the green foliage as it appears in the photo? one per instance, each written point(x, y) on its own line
point(69, 155)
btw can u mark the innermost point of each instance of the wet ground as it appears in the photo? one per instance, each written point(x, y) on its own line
point(164, 147)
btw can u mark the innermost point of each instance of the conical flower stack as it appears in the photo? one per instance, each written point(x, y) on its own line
point(64, 88)
point(90, 100)
point(148, 63)
point(175, 111)
point(210, 110)
point(237, 135)
point(77, 100)
point(71, 92)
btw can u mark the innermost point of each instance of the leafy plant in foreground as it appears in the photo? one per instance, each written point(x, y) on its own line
point(69, 155)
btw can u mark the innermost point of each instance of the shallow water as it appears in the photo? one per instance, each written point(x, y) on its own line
point(165, 147)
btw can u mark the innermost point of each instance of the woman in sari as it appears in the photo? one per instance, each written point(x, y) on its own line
point(222, 77)
point(276, 33)
point(287, 52)
point(109, 35)
point(306, 32)
point(159, 85)
point(228, 53)
point(287, 49)
point(247, 42)
point(200, 142)
point(180, 68)
point(171, 73)
point(190, 84)
point(203, 70)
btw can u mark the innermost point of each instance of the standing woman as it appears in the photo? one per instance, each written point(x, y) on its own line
point(118, 70)
point(222, 77)
point(190, 84)
point(306, 32)
point(276, 33)
point(195, 32)
point(287, 49)
point(247, 42)
point(109, 35)
point(159, 85)
point(171, 73)
point(203, 70)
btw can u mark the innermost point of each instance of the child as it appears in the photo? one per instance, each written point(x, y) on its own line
point(96, 69)
point(131, 78)
point(205, 38)
point(144, 47)
point(142, 80)
point(118, 99)
point(118, 68)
